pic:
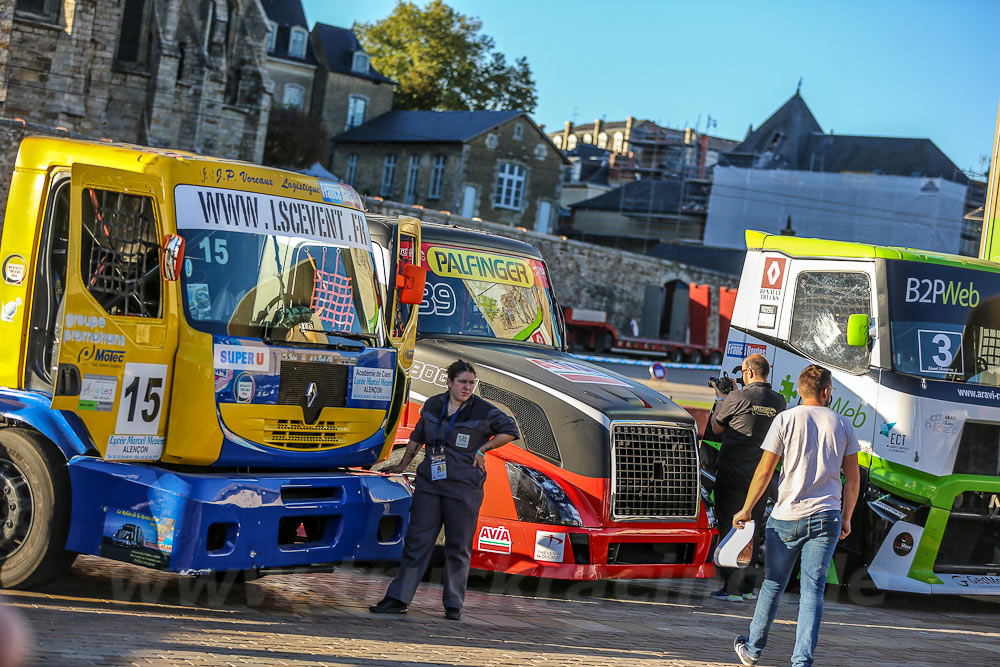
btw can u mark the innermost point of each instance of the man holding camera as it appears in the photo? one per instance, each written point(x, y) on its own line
point(742, 417)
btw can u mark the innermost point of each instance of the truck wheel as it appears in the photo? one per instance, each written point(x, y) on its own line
point(35, 510)
point(715, 359)
point(696, 357)
point(677, 355)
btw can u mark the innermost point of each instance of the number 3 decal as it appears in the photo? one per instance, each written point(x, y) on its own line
point(141, 402)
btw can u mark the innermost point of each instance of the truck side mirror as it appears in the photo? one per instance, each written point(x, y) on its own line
point(857, 330)
point(410, 284)
point(172, 257)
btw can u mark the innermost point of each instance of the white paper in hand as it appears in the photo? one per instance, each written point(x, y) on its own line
point(736, 549)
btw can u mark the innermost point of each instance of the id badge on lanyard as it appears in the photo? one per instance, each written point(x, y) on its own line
point(439, 469)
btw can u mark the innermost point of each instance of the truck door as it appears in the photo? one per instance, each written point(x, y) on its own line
point(118, 330)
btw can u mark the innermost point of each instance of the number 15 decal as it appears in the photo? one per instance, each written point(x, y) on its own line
point(141, 401)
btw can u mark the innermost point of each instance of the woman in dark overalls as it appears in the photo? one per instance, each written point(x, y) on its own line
point(458, 428)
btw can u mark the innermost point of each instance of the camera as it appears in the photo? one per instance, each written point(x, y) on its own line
point(724, 384)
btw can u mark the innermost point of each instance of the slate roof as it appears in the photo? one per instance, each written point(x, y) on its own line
point(337, 47)
point(781, 140)
point(288, 14)
point(427, 126)
point(723, 260)
point(792, 139)
point(644, 197)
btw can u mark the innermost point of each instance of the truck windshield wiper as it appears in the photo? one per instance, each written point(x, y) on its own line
point(351, 335)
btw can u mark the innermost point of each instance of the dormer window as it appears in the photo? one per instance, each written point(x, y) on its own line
point(272, 35)
point(361, 63)
point(297, 43)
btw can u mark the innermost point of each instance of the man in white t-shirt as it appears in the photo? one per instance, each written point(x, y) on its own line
point(814, 509)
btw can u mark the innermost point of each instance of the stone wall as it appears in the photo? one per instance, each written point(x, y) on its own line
point(332, 92)
point(192, 77)
point(587, 275)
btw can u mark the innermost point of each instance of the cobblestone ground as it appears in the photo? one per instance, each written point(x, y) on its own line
point(111, 614)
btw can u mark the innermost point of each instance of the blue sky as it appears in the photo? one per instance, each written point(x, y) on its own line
point(896, 68)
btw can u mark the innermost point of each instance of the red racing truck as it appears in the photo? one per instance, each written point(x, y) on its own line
point(604, 482)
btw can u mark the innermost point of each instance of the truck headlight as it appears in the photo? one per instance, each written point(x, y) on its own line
point(538, 499)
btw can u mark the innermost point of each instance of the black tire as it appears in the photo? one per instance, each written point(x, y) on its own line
point(696, 357)
point(676, 355)
point(715, 359)
point(34, 519)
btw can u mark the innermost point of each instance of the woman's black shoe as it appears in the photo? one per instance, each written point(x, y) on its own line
point(388, 606)
point(453, 613)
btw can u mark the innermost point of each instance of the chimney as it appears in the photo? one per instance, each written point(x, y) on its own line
point(628, 133)
point(597, 129)
point(567, 128)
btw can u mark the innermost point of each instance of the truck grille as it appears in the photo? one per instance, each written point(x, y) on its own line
point(971, 541)
point(330, 381)
point(289, 434)
point(654, 471)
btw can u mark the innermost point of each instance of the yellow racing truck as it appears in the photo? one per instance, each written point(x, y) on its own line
point(201, 359)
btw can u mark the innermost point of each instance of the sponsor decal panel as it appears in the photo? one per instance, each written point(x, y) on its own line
point(942, 423)
point(940, 351)
point(371, 384)
point(577, 373)
point(78, 328)
point(767, 317)
point(549, 547)
point(134, 447)
point(494, 539)
point(242, 358)
point(972, 580)
point(101, 356)
point(735, 349)
point(244, 388)
point(137, 538)
point(756, 348)
point(97, 392)
point(14, 268)
point(9, 309)
point(468, 265)
point(773, 278)
point(903, 544)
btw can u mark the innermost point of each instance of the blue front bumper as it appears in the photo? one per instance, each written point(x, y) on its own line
point(190, 523)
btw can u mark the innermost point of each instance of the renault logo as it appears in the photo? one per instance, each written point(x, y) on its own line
point(311, 393)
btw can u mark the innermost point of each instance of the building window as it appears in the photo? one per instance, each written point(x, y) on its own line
point(352, 168)
point(133, 36)
point(588, 138)
point(360, 63)
point(356, 108)
point(510, 186)
point(46, 10)
point(411, 179)
point(294, 96)
point(297, 43)
point(618, 142)
point(571, 142)
point(437, 176)
point(272, 35)
point(518, 131)
point(557, 140)
point(602, 140)
point(388, 172)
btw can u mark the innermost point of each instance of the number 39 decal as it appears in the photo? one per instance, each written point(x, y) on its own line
point(141, 402)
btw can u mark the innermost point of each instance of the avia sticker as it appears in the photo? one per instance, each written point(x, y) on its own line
point(577, 373)
point(14, 269)
point(550, 547)
point(494, 539)
point(242, 358)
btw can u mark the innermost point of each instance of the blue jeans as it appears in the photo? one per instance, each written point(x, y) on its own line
point(815, 537)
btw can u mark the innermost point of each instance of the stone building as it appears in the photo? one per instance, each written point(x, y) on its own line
point(185, 74)
point(496, 165)
point(347, 91)
point(291, 63)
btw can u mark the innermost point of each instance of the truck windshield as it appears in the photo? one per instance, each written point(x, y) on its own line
point(288, 270)
point(945, 321)
point(486, 294)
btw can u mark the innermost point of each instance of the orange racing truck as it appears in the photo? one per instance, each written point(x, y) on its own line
point(200, 354)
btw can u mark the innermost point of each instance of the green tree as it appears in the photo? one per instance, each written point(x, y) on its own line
point(441, 60)
point(294, 139)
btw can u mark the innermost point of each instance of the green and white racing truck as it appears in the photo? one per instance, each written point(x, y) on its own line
point(913, 341)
